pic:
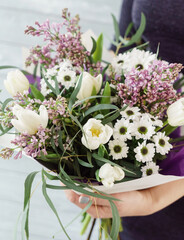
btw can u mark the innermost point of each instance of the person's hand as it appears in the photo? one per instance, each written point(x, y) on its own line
point(133, 203)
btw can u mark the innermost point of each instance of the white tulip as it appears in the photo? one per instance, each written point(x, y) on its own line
point(88, 84)
point(109, 174)
point(29, 121)
point(175, 113)
point(95, 133)
point(16, 82)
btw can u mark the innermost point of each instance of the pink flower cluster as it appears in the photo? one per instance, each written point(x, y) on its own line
point(151, 89)
point(56, 109)
point(33, 145)
point(59, 45)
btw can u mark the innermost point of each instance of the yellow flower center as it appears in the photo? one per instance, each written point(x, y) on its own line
point(95, 132)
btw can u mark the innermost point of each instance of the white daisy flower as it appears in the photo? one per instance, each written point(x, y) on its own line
point(137, 59)
point(162, 143)
point(50, 73)
point(144, 152)
point(45, 90)
point(118, 62)
point(66, 65)
point(67, 78)
point(118, 149)
point(122, 129)
point(142, 129)
point(150, 169)
point(130, 113)
point(154, 120)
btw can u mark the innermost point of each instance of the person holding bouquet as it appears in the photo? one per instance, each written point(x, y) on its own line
point(156, 213)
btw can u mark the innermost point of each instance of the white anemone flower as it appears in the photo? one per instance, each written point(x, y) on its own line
point(118, 149)
point(67, 78)
point(95, 133)
point(130, 113)
point(149, 169)
point(122, 130)
point(162, 143)
point(28, 120)
point(144, 152)
point(143, 128)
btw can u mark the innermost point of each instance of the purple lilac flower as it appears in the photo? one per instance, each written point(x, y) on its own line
point(151, 89)
point(59, 45)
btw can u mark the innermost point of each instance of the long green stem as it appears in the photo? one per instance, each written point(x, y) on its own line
point(91, 230)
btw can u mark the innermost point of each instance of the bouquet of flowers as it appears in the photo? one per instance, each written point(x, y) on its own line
point(96, 125)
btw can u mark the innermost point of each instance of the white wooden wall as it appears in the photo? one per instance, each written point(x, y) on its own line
point(14, 16)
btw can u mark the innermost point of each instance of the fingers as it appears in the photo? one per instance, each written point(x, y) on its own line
point(98, 209)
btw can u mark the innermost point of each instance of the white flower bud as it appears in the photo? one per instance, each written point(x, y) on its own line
point(109, 174)
point(16, 82)
point(175, 113)
point(88, 84)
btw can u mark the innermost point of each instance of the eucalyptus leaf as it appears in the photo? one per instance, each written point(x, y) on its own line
point(136, 37)
point(5, 103)
point(116, 28)
point(75, 92)
point(115, 221)
point(27, 196)
point(99, 107)
point(51, 205)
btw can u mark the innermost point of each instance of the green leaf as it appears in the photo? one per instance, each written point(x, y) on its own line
point(57, 87)
point(136, 37)
point(50, 86)
point(50, 203)
point(116, 28)
point(97, 175)
point(102, 151)
point(97, 55)
point(7, 67)
point(27, 196)
point(85, 224)
point(36, 93)
point(102, 159)
point(111, 118)
point(5, 131)
point(82, 212)
point(94, 46)
point(5, 103)
point(100, 107)
point(106, 94)
point(35, 71)
point(56, 187)
point(75, 92)
point(85, 164)
point(106, 97)
point(129, 28)
point(115, 221)
point(60, 141)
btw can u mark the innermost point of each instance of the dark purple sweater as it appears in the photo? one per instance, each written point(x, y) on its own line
point(165, 25)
